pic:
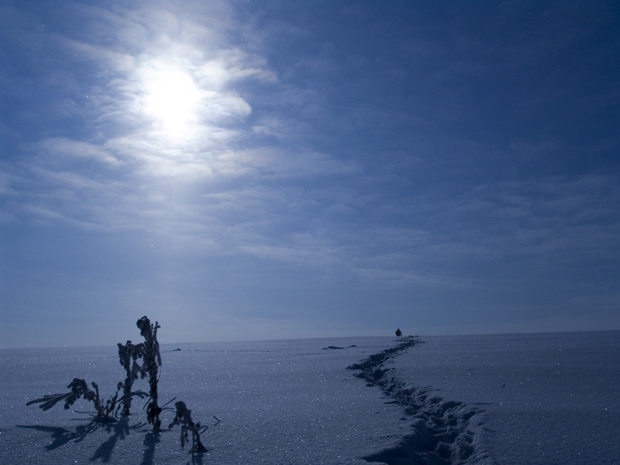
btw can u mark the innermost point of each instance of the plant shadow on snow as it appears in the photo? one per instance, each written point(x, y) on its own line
point(442, 430)
point(61, 436)
point(118, 429)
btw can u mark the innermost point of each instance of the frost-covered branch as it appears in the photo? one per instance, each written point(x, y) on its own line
point(127, 354)
point(152, 360)
point(79, 388)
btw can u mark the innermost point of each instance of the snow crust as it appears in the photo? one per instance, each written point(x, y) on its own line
point(500, 399)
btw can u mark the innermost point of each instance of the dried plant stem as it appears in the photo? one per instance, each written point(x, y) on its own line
point(126, 354)
point(152, 360)
point(184, 418)
point(79, 388)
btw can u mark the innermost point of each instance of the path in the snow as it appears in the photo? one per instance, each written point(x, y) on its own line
point(443, 430)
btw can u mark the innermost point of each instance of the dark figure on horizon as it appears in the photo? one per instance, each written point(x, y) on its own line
point(398, 332)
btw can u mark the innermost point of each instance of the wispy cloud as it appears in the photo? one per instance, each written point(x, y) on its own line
point(392, 153)
point(59, 147)
point(165, 110)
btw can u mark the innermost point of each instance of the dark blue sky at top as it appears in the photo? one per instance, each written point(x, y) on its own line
point(257, 170)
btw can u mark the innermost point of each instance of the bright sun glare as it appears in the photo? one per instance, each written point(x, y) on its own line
point(172, 99)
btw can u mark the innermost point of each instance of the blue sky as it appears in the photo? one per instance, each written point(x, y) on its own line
point(280, 169)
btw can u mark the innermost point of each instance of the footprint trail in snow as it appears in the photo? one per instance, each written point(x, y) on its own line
point(443, 431)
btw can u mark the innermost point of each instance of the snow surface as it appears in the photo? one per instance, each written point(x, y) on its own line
point(505, 399)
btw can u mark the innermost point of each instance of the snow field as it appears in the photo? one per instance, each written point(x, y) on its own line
point(495, 399)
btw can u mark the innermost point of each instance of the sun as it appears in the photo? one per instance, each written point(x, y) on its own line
point(171, 99)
